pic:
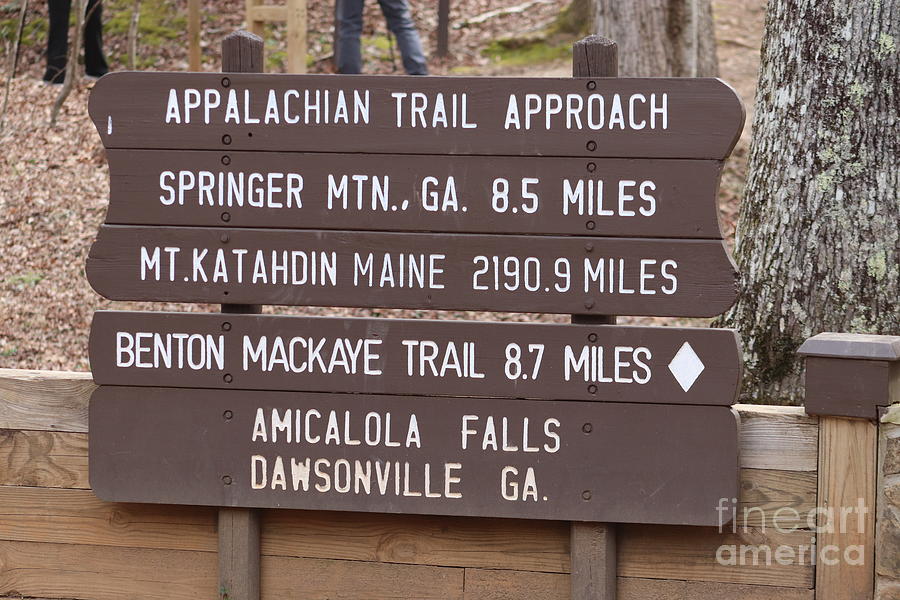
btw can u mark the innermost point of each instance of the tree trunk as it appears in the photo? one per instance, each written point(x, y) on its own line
point(818, 242)
point(660, 38)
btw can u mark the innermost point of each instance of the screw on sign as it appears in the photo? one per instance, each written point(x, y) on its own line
point(589, 196)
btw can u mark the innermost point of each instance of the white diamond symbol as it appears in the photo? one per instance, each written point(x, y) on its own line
point(686, 366)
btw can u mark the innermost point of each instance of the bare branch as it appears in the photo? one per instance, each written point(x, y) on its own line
point(14, 60)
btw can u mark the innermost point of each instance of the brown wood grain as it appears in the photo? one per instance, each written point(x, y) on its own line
point(770, 497)
point(700, 282)
point(657, 553)
point(329, 579)
point(43, 459)
point(482, 584)
point(64, 516)
point(77, 516)
point(140, 455)
point(593, 560)
point(717, 349)
point(705, 116)
point(847, 482)
point(239, 557)
point(783, 438)
point(104, 573)
point(44, 400)
point(454, 194)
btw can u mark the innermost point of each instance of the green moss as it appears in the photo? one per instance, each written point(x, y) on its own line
point(159, 22)
point(25, 279)
point(876, 264)
point(885, 46)
point(33, 33)
point(516, 52)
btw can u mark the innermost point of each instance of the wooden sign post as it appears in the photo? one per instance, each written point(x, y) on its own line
point(239, 528)
point(591, 196)
point(592, 546)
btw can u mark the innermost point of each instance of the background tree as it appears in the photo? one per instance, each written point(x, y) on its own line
point(818, 241)
point(659, 38)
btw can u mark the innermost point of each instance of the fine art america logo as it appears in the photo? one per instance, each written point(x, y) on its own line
point(755, 547)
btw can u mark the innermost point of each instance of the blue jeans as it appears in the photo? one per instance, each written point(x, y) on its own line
point(349, 21)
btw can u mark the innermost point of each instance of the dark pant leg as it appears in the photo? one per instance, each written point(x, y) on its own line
point(94, 61)
point(57, 40)
point(401, 24)
point(349, 22)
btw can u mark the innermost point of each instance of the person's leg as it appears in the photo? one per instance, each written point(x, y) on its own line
point(349, 22)
point(400, 22)
point(57, 40)
point(94, 61)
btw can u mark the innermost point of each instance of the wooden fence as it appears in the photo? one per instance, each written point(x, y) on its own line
point(57, 540)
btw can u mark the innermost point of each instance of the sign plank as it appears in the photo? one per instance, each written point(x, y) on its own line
point(401, 356)
point(585, 117)
point(625, 463)
point(465, 194)
point(398, 270)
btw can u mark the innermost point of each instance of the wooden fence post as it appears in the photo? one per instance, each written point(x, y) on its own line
point(443, 32)
point(593, 545)
point(242, 52)
point(296, 36)
point(849, 377)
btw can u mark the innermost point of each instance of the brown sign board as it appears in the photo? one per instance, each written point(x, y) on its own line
point(580, 461)
point(605, 363)
point(461, 194)
point(583, 117)
point(694, 278)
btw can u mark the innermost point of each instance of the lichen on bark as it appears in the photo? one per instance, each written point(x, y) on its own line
point(818, 241)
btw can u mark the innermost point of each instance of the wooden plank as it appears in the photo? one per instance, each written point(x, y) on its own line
point(267, 13)
point(515, 462)
point(78, 517)
point(593, 552)
point(459, 115)
point(46, 459)
point(239, 559)
point(775, 498)
point(392, 356)
point(104, 573)
point(783, 438)
point(847, 478)
point(327, 579)
point(562, 196)
point(296, 36)
point(703, 554)
point(62, 516)
point(483, 584)
point(44, 400)
point(255, 11)
point(418, 539)
point(473, 272)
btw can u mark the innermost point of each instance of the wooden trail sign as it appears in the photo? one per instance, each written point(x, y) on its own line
point(579, 117)
point(626, 463)
point(398, 356)
point(438, 271)
point(458, 194)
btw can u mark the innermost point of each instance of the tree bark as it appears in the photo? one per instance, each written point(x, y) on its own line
point(660, 38)
point(818, 242)
point(73, 69)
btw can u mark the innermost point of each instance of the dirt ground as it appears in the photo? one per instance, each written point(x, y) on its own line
point(54, 181)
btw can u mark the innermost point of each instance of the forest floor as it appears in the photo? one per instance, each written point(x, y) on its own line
point(54, 181)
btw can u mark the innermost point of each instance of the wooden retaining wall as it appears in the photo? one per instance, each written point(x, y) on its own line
point(58, 541)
